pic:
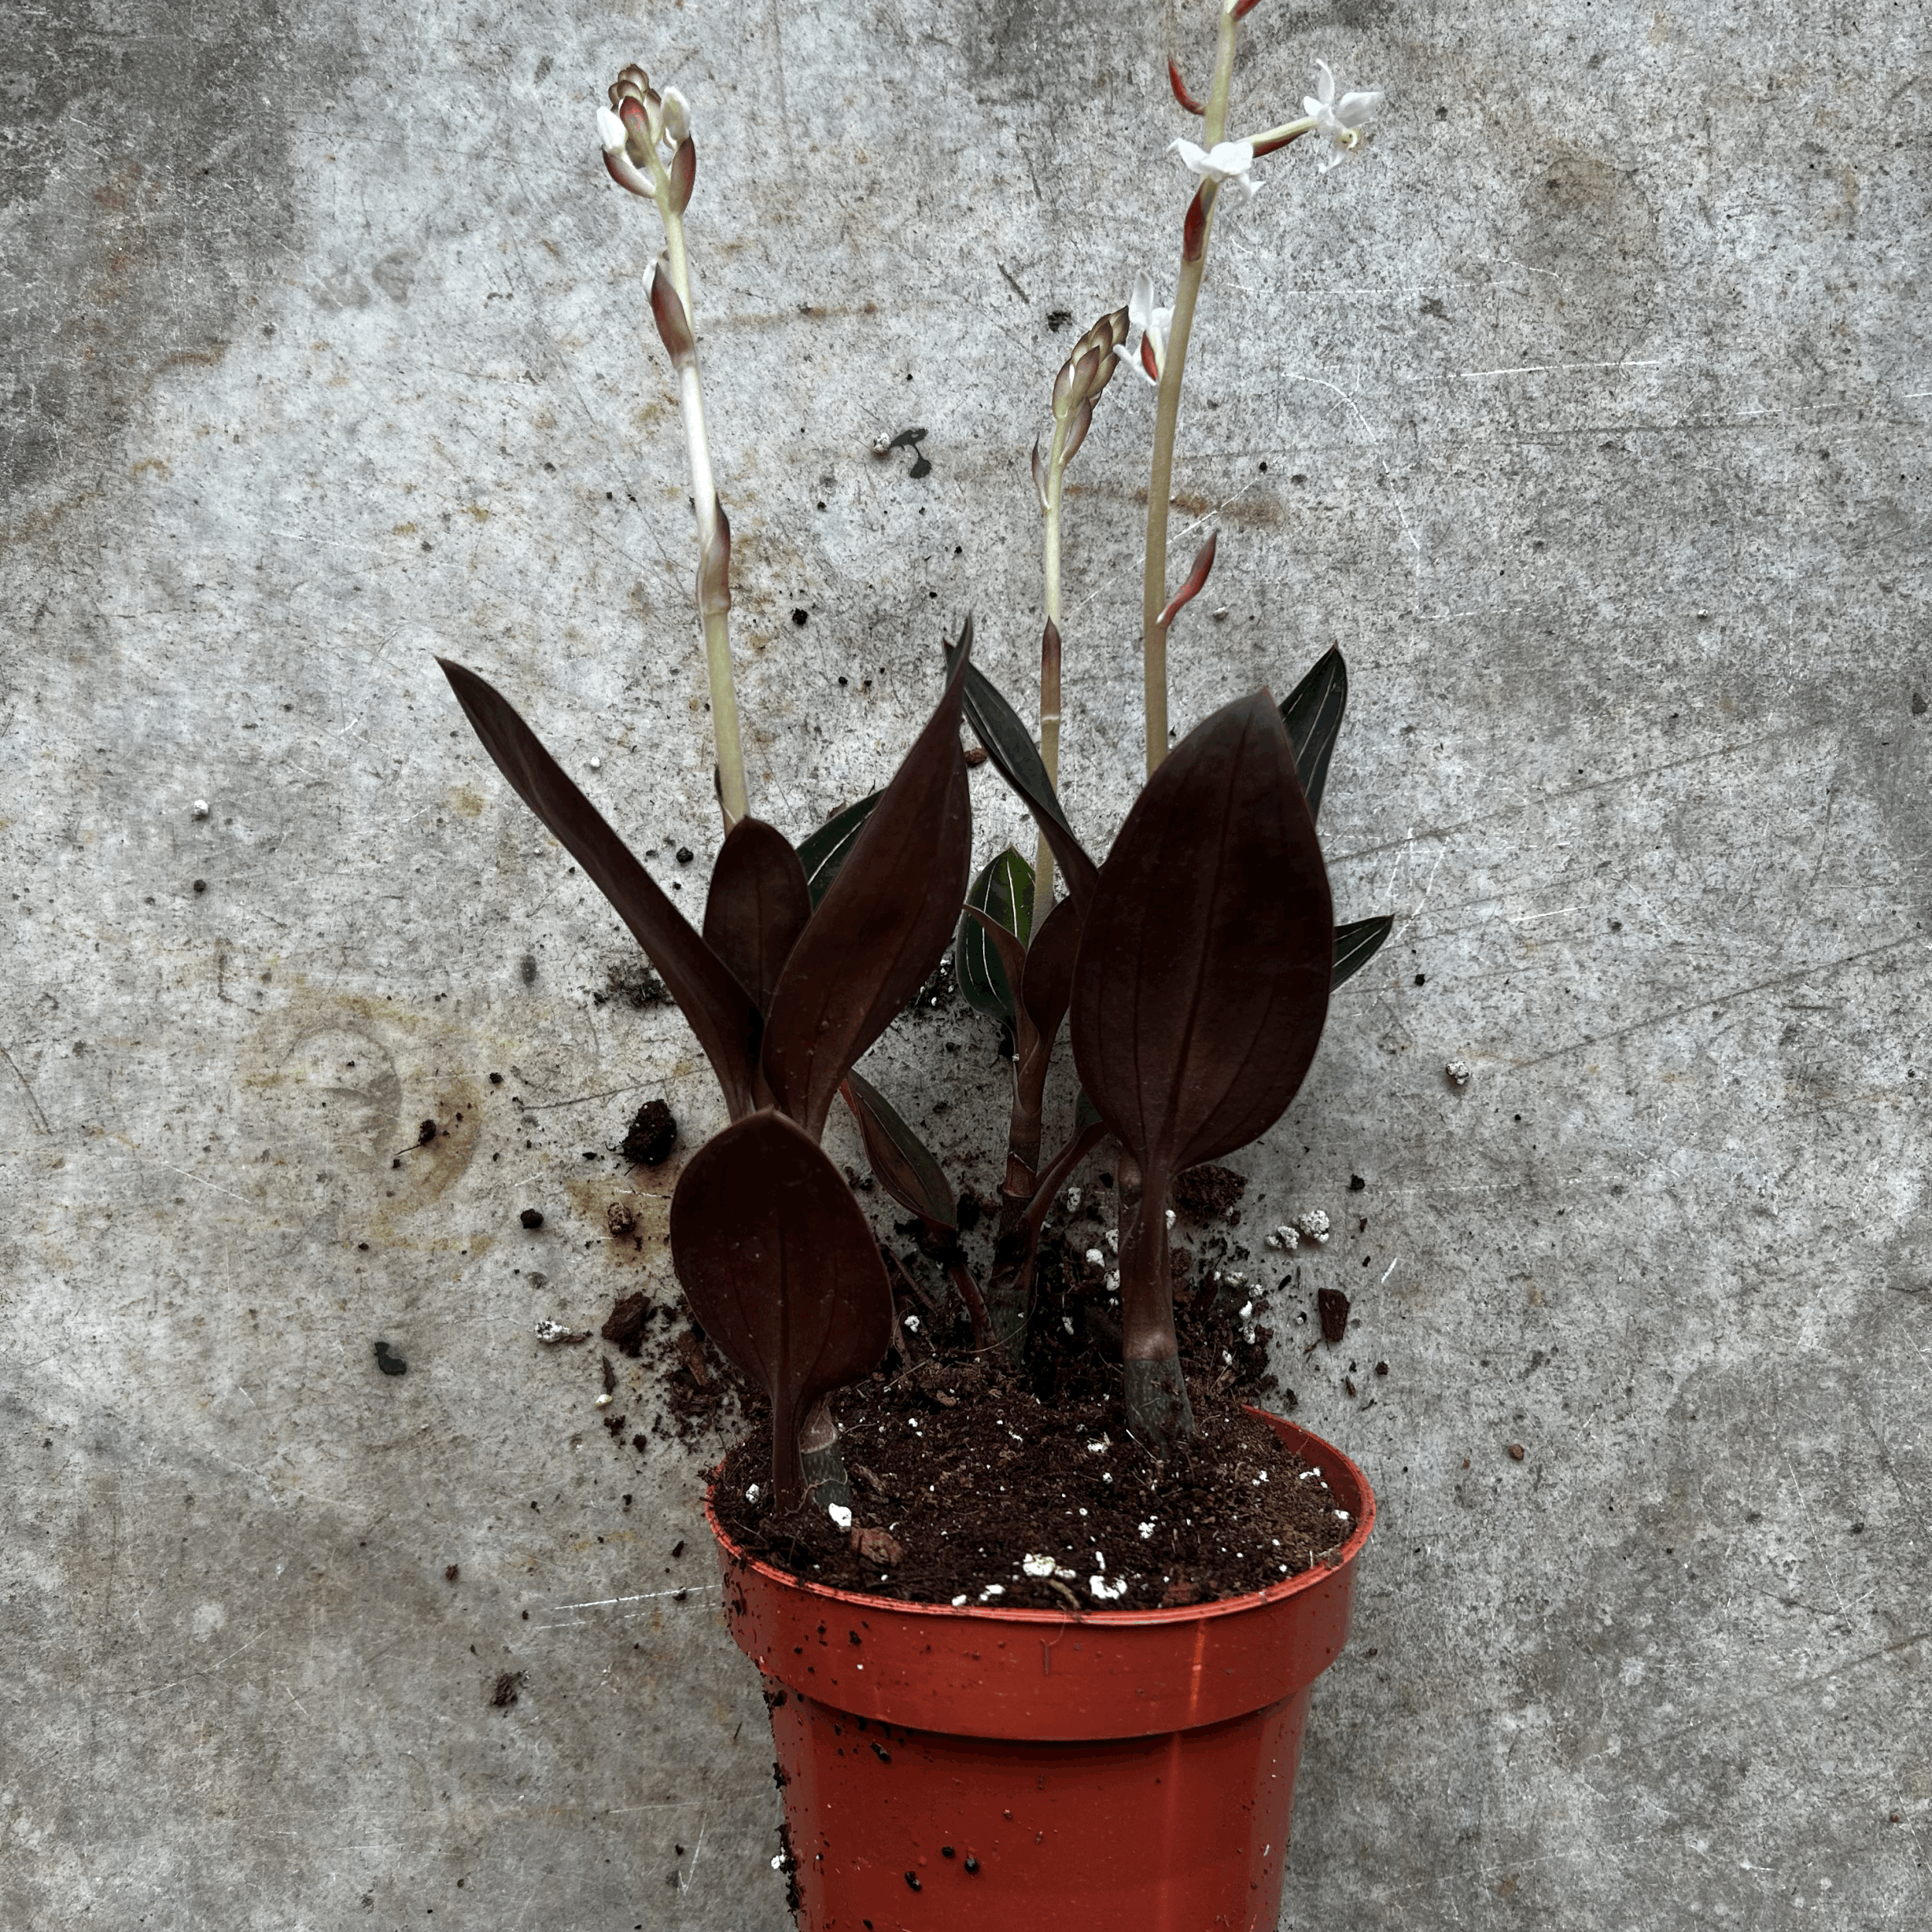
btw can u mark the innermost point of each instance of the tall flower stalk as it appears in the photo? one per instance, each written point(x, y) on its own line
point(1343, 123)
point(1086, 373)
point(648, 149)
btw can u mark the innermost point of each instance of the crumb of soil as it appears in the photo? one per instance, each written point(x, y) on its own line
point(971, 1469)
point(652, 1135)
point(1209, 1193)
point(507, 1687)
point(625, 1326)
point(1332, 1306)
point(634, 982)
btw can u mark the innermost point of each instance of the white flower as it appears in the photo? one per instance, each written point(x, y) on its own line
point(1340, 123)
point(677, 115)
point(611, 131)
point(1226, 161)
point(1150, 359)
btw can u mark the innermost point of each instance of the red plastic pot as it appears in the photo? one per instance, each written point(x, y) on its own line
point(983, 1770)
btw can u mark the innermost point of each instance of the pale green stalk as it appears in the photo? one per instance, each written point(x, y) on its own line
point(1167, 415)
point(1049, 673)
point(714, 612)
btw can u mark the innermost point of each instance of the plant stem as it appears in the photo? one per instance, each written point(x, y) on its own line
point(1049, 669)
point(714, 610)
point(1167, 415)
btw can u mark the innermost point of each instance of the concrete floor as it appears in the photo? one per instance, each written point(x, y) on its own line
point(1589, 412)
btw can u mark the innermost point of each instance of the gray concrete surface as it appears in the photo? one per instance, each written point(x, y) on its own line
point(1592, 408)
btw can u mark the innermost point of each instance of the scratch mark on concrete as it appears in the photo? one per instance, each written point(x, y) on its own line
point(697, 1852)
point(605, 1603)
point(1547, 369)
point(194, 1675)
point(1721, 997)
point(40, 1119)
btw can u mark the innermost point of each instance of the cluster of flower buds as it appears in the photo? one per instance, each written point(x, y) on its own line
point(637, 123)
point(1085, 373)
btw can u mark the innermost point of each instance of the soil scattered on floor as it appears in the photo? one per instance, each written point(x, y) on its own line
point(1210, 1193)
point(652, 1134)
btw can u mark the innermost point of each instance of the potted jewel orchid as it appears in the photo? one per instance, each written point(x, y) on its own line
point(1015, 1727)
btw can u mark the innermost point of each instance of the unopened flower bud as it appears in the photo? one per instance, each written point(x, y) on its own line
point(633, 84)
point(1080, 422)
point(611, 131)
point(683, 174)
point(677, 116)
point(674, 326)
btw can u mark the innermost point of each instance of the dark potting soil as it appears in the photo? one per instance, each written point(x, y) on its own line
point(962, 1470)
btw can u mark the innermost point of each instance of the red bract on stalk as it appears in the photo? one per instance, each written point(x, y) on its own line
point(683, 174)
point(667, 310)
point(1268, 143)
point(1179, 85)
point(1194, 229)
point(1196, 581)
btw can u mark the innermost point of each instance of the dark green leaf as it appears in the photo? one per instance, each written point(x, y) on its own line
point(1010, 746)
point(1312, 713)
point(901, 1162)
point(722, 1012)
point(1004, 891)
point(778, 1263)
point(824, 851)
point(1356, 944)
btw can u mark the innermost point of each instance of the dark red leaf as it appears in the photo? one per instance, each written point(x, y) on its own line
point(1047, 986)
point(721, 1012)
point(901, 1162)
point(1202, 978)
point(781, 1268)
point(882, 924)
point(759, 904)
